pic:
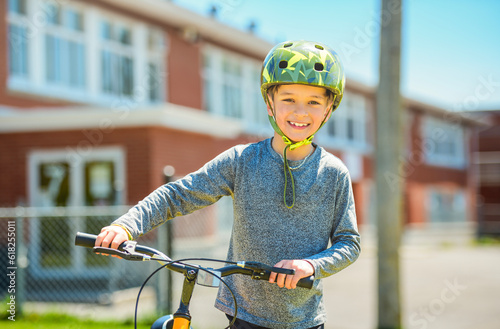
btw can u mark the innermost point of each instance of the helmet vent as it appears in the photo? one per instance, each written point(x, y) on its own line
point(286, 45)
point(318, 67)
point(283, 64)
point(319, 47)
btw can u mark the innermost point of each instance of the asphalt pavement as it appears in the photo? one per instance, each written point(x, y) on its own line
point(445, 284)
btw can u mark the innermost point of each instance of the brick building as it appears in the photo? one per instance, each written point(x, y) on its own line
point(96, 97)
point(487, 161)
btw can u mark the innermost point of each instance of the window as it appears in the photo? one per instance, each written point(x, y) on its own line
point(64, 47)
point(232, 88)
point(331, 127)
point(347, 126)
point(18, 39)
point(99, 183)
point(350, 128)
point(79, 52)
point(117, 64)
point(208, 81)
point(155, 68)
point(55, 183)
point(444, 143)
point(259, 112)
point(447, 206)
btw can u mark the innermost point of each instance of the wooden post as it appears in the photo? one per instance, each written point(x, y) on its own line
point(389, 189)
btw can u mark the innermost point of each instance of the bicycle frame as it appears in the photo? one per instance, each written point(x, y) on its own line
point(181, 319)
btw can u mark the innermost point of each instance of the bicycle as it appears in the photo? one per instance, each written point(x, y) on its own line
point(193, 274)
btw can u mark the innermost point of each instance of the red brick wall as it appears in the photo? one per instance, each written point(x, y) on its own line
point(489, 138)
point(489, 141)
point(147, 151)
point(184, 72)
point(186, 152)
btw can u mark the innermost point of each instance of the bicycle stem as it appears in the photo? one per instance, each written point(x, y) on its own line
point(187, 292)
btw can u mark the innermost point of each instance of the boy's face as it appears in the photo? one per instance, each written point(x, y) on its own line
point(299, 109)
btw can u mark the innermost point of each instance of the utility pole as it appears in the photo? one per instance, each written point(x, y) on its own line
point(165, 240)
point(389, 189)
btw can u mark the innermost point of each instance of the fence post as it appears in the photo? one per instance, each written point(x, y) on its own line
point(22, 262)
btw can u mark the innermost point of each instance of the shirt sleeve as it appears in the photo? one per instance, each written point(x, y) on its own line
point(345, 238)
point(184, 196)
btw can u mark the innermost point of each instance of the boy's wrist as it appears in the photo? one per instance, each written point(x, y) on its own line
point(312, 265)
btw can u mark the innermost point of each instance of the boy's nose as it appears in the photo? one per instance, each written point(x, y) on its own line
point(300, 109)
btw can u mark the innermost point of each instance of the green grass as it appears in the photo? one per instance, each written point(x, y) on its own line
point(52, 320)
point(488, 241)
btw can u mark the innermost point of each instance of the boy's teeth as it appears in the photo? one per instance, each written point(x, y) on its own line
point(299, 124)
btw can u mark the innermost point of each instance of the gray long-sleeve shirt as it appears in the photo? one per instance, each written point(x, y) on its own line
point(264, 229)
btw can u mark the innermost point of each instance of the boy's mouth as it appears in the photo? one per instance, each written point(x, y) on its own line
point(298, 124)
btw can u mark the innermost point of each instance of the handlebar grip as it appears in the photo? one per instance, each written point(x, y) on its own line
point(303, 283)
point(88, 240)
point(85, 240)
point(306, 282)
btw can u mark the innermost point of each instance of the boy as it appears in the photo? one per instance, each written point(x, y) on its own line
point(290, 196)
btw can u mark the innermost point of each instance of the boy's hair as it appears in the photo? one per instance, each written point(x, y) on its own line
point(274, 89)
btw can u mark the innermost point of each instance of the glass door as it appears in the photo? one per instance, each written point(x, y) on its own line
point(96, 179)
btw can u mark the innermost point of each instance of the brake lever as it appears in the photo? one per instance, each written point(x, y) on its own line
point(128, 252)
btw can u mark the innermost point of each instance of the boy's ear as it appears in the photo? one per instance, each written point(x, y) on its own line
point(330, 111)
point(269, 109)
point(328, 116)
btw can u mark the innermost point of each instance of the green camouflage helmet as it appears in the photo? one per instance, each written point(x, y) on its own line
point(304, 62)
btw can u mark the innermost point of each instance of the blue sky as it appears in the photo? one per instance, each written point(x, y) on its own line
point(450, 48)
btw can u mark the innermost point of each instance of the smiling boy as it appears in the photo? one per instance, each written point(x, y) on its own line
point(291, 198)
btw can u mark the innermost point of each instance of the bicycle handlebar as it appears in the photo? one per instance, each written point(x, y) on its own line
point(130, 250)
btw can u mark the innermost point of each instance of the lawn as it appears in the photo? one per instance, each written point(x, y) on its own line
point(46, 321)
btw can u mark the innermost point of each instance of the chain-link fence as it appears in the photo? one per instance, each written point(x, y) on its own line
point(37, 244)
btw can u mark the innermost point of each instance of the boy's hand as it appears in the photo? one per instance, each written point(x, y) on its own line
point(111, 237)
point(302, 269)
